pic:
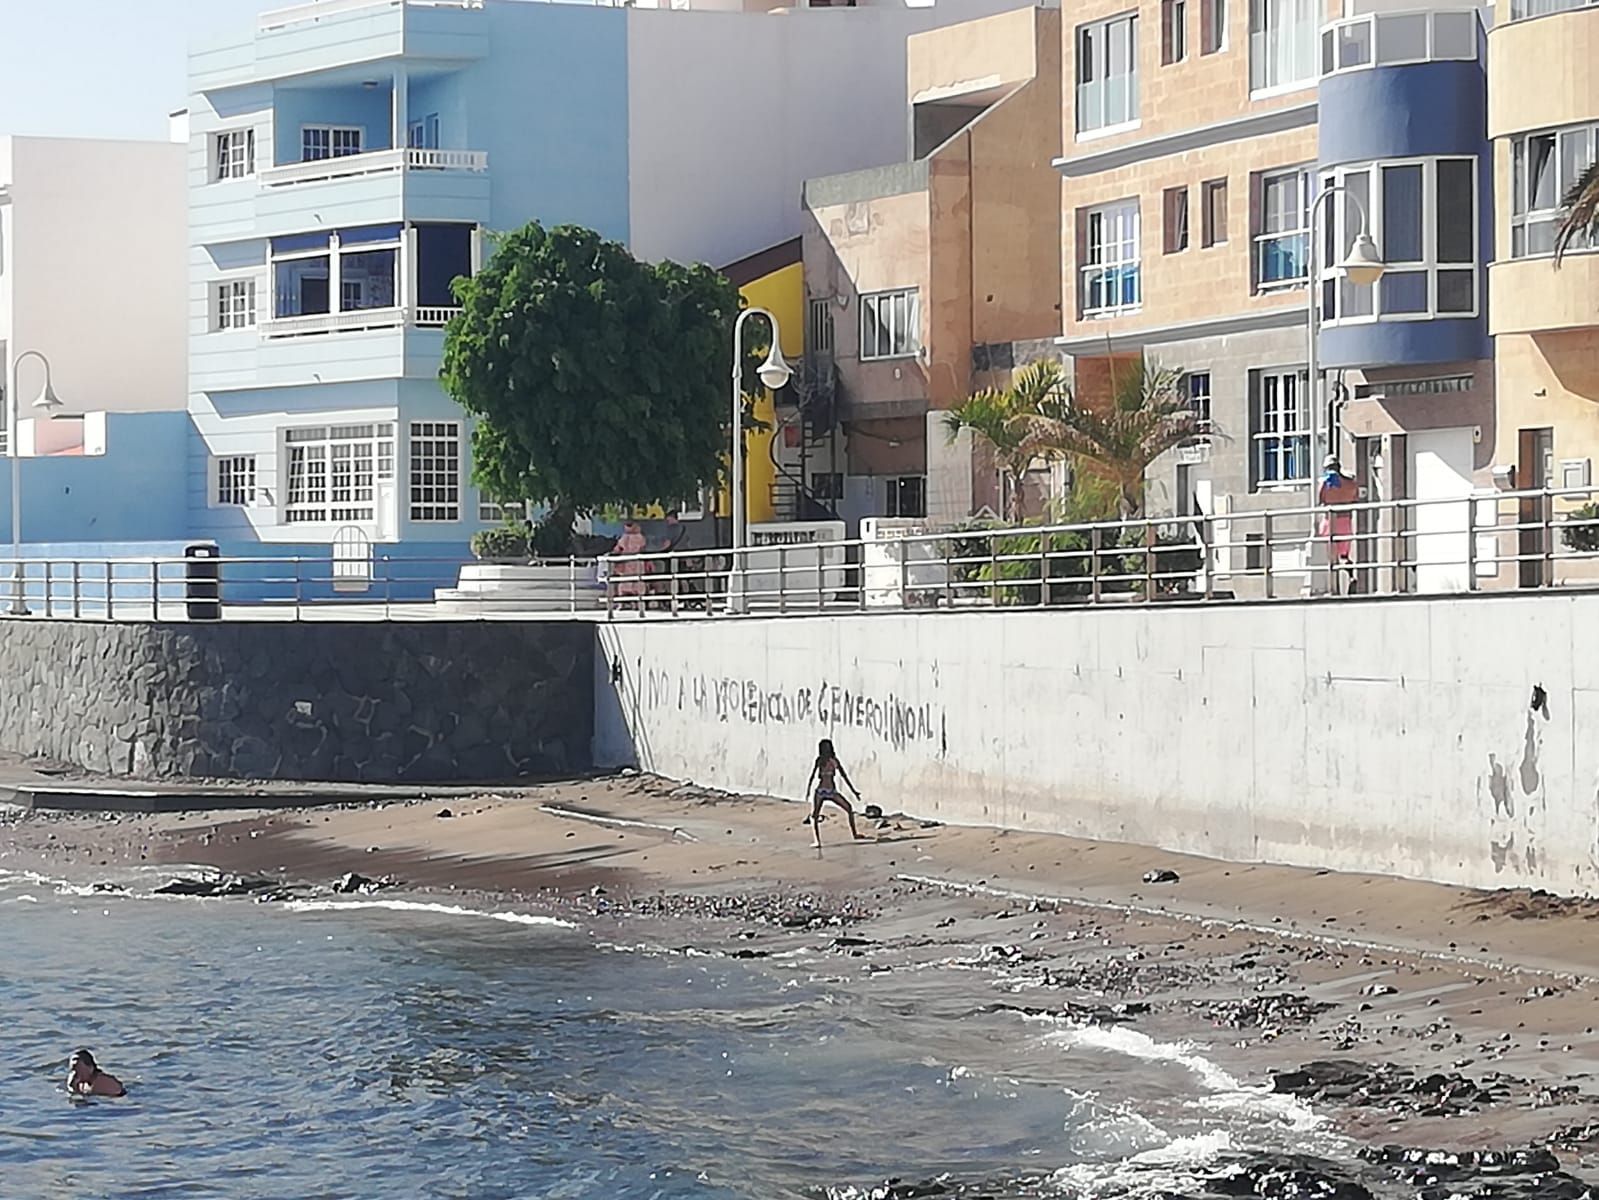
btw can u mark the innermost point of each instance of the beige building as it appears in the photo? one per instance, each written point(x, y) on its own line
point(1545, 319)
point(930, 278)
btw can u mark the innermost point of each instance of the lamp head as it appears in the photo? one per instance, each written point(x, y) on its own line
point(1364, 264)
point(48, 402)
point(774, 372)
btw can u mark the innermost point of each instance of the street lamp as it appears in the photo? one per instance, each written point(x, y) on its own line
point(774, 373)
point(45, 402)
point(1362, 265)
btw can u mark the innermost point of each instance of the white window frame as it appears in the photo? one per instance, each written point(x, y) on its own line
point(330, 473)
point(1273, 24)
point(902, 309)
point(1523, 216)
point(233, 481)
point(1339, 233)
point(821, 325)
point(334, 134)
point(1267, 237)
point(233, 303)
point(1525, 10)
point(232, 154)
point(435, 497)
point(1115, 254)
point(423, 133)
point(1360, 43)
point(1196, 391)
point(1092, 53)
point(1294, 433)
point(492, 512)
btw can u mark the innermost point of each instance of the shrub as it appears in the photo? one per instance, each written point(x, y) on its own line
point(502, 542)
point(1582, 537)
point(1012, 565)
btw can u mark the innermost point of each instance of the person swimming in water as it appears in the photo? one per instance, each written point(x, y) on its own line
point(825, 771)
point(85, 1078)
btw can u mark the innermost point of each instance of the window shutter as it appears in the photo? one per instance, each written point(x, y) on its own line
point(1257, 226)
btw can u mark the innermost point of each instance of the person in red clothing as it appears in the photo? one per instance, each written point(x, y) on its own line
point(1338, 525)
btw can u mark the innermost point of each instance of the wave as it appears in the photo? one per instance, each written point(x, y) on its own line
point(424, 906)
point(1227, 1092)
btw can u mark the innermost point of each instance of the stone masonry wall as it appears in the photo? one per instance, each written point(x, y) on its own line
point(375, 702)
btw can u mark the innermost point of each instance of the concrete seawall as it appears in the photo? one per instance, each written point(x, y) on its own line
point(372, 701)
point(1448, 739)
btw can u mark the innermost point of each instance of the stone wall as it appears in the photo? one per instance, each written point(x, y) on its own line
point(370, 701)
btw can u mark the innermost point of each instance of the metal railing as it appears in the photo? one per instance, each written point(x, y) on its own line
point(373, 162)
point(1475, 543)
point(319, 10)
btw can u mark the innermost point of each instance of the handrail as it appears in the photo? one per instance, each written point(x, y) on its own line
point(317, 10)
point(1530, 540)
point(373, 162)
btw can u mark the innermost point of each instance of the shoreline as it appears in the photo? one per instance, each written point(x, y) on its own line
point(1467, 1018)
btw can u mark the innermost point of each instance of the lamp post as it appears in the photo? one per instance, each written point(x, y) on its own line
point(774, 373)
point(45, 402)
point(1363, 265)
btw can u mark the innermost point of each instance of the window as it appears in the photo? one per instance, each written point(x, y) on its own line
point(1213, 217)
point(827, 485)
point(1107, 74)
point(1110, 259)
point(332, 471)
point(435, 471)
point(1391, 39)
point(1212, 26)
point(1424, 220)
point(234, 156)
point(233, 304)
point(1174, 219)
point(423, 134)
point(1543, 167)
point(1282, 43)
point(1279, 427)
point(235, 480)
point(1173, 31)
point(328, 141)
point(821, 326)
point(1196, 389)
point(1521, 9)
point(1282, 247)
point(366, 259)
point(907, 496)
point(491, 511)
point(890, 324)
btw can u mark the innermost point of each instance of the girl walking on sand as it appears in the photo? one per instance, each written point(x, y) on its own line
point(825, 771)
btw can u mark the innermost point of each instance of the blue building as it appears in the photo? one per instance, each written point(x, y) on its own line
point(1403, 130)
point(347, 161)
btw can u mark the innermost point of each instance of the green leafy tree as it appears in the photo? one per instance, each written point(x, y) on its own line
point(1146, 416)
point(596, 379)
point(999, 417)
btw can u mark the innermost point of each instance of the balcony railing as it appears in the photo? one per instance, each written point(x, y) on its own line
point(1392, 39)
point(358, 321)
point(321, 10)
point(378, 162)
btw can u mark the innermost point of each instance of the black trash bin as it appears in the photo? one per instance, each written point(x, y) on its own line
point(202, 581)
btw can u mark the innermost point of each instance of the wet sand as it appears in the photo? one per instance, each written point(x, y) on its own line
point(1468, 1018)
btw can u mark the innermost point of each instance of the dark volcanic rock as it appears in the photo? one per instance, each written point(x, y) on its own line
point(219, 885)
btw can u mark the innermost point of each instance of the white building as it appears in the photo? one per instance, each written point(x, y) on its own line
point(94, 270)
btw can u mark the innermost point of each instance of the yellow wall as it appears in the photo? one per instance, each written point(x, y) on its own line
point(782, 293)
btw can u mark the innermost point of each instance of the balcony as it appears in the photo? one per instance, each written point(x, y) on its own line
point(377, 162)
point(321, 10)
point(359, 321)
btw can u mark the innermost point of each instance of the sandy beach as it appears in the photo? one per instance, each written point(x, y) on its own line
point(1453, 1019)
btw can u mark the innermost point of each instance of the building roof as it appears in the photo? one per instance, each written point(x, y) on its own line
point(763, 262)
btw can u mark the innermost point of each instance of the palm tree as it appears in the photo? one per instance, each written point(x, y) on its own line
point(999, 417)
point(1579, 218)
point(1147, 415)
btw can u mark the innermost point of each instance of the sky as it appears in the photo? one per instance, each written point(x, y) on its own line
point(105, 68)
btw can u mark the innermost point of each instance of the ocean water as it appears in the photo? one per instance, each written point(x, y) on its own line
point(418, 1050)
